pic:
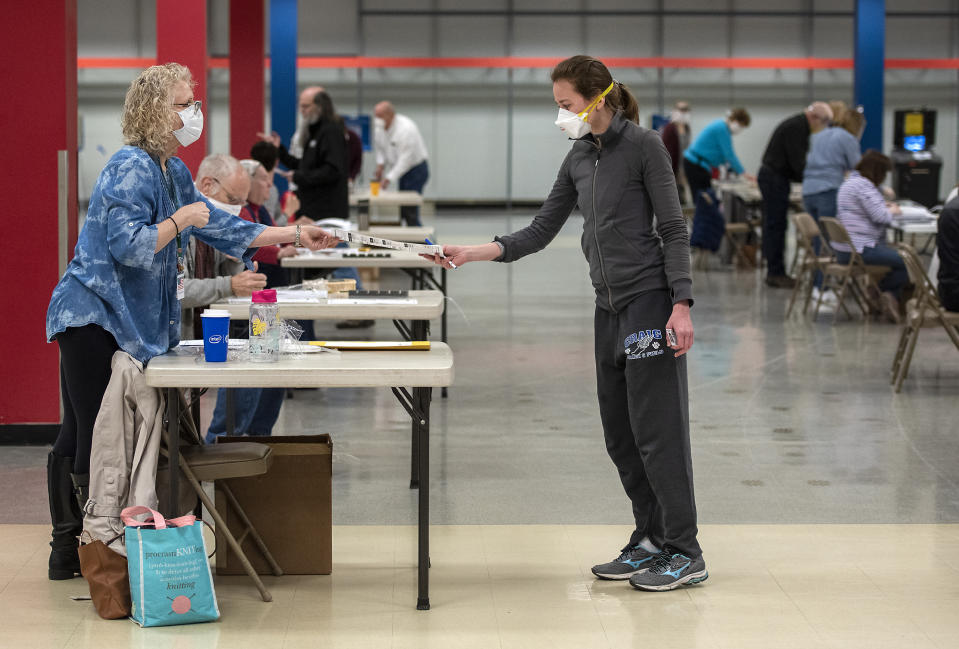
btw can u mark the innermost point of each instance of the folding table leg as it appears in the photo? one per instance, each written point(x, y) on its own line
point(173, 450)
point(421, 397)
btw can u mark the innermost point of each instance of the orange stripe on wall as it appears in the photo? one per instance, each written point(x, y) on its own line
point(354, 62)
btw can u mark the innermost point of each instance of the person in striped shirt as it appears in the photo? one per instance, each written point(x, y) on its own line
point(864, 213)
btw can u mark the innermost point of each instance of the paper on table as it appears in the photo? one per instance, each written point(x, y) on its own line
point(356, 237)
point(370, 300)
point(287, 296)
point(369, 345)
point(914, 213)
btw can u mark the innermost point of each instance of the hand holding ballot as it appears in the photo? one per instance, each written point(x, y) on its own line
point(316, 238)
point(455, 256)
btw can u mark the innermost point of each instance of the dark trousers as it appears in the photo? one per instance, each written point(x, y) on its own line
point(413, 180)
point(775, 191)
point(699, 178)
point(85, 368)
point(949, 294)
point(644, 406)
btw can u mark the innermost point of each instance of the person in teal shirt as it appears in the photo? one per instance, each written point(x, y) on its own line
point(120, 290)
point(713, 147)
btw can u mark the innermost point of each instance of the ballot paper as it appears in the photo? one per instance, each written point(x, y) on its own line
point(287, 296)
point(372, 300)
point(356, 237)
point(914, 214)
point(373, 345)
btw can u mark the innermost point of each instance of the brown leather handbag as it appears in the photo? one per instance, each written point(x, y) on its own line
point(106, 573)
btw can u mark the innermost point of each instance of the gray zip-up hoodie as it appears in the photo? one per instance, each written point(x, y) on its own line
point(620, 180)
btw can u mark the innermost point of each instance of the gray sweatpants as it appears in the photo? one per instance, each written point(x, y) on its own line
point(644, 406)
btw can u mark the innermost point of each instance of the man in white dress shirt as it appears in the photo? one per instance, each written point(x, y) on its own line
point(401, 154)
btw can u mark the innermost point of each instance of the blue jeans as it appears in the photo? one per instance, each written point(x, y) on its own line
point(882, 255)
point(818, 205)
point(347, 273)
point(256, 411)
point(413, 180)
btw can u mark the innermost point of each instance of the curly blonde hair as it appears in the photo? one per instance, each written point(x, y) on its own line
point(148, 116)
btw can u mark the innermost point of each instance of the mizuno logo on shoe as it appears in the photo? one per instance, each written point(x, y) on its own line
point(635, 563)
point(675, 573)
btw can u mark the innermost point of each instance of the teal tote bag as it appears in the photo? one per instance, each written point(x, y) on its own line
point(170, 580)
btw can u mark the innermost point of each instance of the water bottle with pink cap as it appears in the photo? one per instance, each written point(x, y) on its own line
point(265, 330)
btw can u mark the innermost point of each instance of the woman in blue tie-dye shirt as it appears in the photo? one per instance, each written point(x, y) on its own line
point(120, 290)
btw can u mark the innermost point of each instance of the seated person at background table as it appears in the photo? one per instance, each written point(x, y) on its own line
point(864, 213)
point(947, 244)
point(119, 291)
point(833, 152)
point(268, 257)
point(212, 276)
point(712, 148)
point(255, 409)
point(281, 213)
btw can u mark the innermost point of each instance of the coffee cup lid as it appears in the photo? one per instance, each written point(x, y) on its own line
point(215, 313)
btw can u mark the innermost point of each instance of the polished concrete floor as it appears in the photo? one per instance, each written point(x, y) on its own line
point(828, 502)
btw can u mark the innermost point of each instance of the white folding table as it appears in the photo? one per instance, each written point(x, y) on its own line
point(419, 269)
point(420, 370)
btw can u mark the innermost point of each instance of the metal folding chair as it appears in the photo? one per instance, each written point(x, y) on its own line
point(219, 463)
point(845, 278)
point(808, 262)
point(924, 310)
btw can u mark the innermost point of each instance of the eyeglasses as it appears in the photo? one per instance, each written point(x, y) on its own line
point(196, 106)
point(230, 198)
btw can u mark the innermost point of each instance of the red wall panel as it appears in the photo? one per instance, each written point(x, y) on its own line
point(181, 38)
point(39, 113)
point(246, 74)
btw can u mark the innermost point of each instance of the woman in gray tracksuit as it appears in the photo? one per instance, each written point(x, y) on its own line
point(620, 176)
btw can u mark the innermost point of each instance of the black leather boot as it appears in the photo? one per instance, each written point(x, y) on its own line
point(66, 518)
point(81, 490)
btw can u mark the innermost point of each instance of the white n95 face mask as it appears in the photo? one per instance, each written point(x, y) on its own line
point(192, 118)
point(735, 128)
point(226, 207)
point(574, 124)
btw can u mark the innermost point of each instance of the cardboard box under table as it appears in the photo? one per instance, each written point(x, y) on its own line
point(290, 505)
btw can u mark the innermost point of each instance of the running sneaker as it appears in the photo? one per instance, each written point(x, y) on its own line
point(631, 561)
point(669, 570)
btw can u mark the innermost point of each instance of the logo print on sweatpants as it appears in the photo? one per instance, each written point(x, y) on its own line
point(638, 343)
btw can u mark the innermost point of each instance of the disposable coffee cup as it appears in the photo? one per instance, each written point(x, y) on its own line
point(374, 188)
point(216, 334)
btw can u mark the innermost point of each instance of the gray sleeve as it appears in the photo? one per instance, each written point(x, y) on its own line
point(201, 292)
point(660, 183)
point(547, 222)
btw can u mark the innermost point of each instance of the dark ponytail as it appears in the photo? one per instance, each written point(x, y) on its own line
point(590, 78)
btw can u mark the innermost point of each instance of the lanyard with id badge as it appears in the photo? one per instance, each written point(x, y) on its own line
point(180, 258)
